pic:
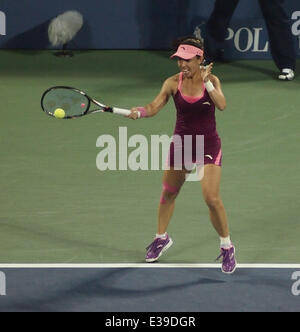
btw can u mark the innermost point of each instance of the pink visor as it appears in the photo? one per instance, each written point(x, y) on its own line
point(187, 52)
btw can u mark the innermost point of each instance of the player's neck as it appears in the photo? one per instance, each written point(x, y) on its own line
point(194, 79)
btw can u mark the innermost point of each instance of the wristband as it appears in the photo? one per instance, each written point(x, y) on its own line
point(209, 86)
point(143, 112)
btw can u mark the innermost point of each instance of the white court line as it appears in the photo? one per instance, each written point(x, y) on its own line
point(144, 265)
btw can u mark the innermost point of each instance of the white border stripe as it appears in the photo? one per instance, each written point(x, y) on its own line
point(144, 265)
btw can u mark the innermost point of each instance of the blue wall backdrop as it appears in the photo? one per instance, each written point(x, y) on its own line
point(138, 24)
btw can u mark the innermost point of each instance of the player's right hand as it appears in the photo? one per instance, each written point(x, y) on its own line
point(135, 114)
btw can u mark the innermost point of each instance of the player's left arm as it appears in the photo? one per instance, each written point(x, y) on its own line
point(217, 95)
point(213, 87)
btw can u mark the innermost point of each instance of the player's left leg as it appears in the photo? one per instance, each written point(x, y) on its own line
point(211, 193)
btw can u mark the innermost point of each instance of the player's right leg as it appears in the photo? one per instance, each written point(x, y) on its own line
point(172, 183)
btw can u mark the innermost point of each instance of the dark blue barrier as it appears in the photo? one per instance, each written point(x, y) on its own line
point(137, 24)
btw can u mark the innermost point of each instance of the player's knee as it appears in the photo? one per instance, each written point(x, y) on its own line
point(169, 194)
point(213, 201)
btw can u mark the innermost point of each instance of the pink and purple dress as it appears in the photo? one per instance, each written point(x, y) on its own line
point(195, 116)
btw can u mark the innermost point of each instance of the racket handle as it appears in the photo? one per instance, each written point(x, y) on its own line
point(121, 111)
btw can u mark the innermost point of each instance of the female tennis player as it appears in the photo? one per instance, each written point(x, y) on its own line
point(196, 93)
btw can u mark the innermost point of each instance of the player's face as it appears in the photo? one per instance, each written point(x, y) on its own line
point(189, 67)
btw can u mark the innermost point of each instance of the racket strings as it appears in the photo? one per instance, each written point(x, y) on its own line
point(71, 101)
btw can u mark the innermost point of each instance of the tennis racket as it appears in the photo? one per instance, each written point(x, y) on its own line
point(74, 103)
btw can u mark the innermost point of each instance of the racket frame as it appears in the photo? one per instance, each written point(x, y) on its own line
point(103, 108)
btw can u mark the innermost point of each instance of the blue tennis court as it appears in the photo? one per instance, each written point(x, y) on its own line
point(124, 288)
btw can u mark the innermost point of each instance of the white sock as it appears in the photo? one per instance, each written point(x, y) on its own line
point(161, 236)
point(225, 242)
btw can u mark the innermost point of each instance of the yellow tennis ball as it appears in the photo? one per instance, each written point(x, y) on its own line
point(59, 113)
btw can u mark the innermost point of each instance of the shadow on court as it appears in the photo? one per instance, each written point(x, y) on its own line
point(253, 67)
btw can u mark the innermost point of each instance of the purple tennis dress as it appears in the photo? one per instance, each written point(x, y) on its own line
point(195, 116)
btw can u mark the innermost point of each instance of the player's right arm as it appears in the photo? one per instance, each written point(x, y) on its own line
point(159, 102)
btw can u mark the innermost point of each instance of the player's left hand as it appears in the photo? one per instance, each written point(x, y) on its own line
point(206, 71)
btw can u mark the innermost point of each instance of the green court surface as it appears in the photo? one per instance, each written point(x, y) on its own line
point(57, 207)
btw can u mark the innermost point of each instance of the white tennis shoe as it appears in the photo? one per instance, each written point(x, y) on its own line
point(287, 74)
